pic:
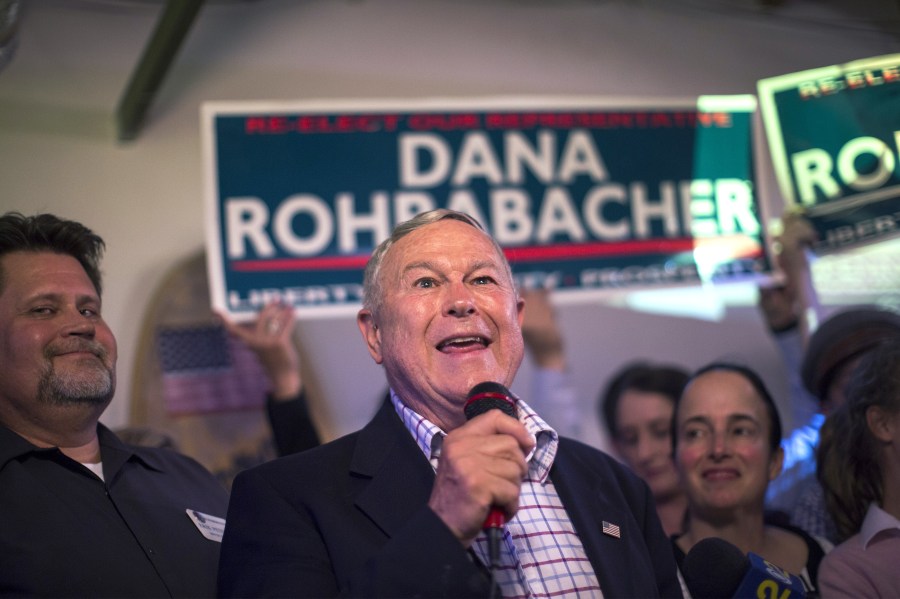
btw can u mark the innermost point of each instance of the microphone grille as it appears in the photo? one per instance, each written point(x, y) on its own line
point(489, 396)
point(714, 568)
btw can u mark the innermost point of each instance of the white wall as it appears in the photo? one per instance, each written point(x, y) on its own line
point(58, 151)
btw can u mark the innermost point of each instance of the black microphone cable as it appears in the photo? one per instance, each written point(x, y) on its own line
point(482, 398)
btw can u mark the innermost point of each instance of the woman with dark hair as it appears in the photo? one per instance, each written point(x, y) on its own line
point(637, 407)
point(726, 437)
point(859, 468)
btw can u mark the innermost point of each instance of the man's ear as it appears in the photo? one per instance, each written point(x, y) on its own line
point(371, 333)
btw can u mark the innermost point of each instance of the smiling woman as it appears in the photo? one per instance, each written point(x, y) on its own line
point(726, 439)
point(637, 407)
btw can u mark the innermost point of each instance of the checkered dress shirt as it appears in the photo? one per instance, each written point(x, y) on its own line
point(542, 555)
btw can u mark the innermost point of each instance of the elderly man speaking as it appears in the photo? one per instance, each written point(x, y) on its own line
point(398, 508)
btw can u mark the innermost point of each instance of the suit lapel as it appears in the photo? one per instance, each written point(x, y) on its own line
point(586, 493)
point(396, 476)
point(396, 480)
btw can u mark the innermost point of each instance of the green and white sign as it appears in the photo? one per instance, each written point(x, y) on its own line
point(834, 134)
point(583, 194)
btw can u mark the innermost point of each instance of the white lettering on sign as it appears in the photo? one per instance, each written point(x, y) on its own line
point(306, 225)
point(819, 175)
point(312, 295)
point(350, 223)
point(303, 205)
point(863, 230)
point(426, 159)
point(246, 220)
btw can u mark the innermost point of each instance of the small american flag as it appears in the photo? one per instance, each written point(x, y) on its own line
point(611, 530)
point(204, 369)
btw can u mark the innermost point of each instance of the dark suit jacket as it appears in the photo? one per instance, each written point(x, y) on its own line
point(351, 518)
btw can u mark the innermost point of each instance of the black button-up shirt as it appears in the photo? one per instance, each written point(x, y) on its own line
point(65, 532)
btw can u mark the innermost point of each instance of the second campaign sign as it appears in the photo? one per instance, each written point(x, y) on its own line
point(834, 134)
point(583, 195)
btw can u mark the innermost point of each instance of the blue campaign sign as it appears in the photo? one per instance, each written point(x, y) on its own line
point(834, 136)
point(583, 194)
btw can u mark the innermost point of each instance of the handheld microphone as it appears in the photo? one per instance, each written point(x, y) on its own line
point(482, 398)
point(716, 568)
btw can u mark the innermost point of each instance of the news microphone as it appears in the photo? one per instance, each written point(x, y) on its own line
point(714, 568)
point(482, 398)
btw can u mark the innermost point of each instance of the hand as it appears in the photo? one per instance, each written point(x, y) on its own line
point(797, 235)
point(482, 465)
point(541, 331)
point(779, 307)
point(270, 337)
point(797, 300)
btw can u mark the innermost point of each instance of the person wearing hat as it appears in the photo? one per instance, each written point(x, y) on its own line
point(820, 360)
point(832, 355)
point(837, 347)
point(859, 468)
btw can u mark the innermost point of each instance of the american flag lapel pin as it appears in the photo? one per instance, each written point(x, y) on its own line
point(611, 530)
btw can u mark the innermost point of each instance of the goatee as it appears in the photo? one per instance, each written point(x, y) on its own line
point(92, 384)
